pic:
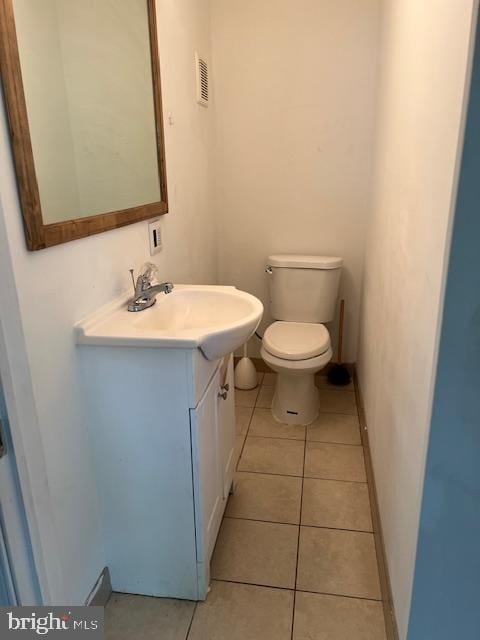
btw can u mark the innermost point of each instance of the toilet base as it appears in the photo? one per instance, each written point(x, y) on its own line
point(296, 399)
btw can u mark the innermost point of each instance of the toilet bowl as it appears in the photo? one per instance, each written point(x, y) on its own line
point(303, 293)
point(296, 351)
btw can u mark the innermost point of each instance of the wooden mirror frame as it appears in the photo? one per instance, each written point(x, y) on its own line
point(39, 235)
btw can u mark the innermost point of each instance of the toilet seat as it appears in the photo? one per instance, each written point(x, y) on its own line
point(312, 365)
point(296, 340)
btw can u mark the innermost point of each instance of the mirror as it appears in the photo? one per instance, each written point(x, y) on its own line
point(82, 88)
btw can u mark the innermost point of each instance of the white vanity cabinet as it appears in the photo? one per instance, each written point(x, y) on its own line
point(212, 421)
point(226, 418)
point(162, 424)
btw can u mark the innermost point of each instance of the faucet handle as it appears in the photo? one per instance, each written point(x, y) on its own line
point(146, 274)
point(144, 279)
point(132, 271)
point(149, 271)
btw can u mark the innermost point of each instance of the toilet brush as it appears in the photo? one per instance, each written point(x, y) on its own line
point(245, 373)
point(338, 373)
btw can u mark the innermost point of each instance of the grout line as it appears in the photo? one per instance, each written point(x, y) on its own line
point(270, 473)
point(281, 475)
point(314, 526)
point(298, 539)
point(342, 444)
point(254, 435)
point(241, 453)
point(244, 440)
point(298, 524)
point(347, 444)
point(320, 593)
point(336, 479)
point(191, 620)
point(254, 584)
point(291, 475)
point(288, 524)
point(339, 595)
point(249, 423)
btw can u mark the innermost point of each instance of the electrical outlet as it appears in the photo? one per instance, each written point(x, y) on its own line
point(155, 237)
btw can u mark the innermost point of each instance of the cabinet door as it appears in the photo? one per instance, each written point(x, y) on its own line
point(226, 425)
point(207, 476)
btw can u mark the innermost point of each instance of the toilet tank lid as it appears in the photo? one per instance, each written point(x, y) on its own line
point(305, 262)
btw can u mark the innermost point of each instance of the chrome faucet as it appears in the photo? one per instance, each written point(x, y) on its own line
point(145, 294)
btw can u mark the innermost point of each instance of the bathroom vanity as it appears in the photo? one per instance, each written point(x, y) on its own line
point(162, 420)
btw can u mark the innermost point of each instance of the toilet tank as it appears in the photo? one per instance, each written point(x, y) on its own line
point(303, 288)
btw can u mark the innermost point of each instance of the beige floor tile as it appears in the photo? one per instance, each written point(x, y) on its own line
point(243, 612)
point(265, 396)
point(259, 553)
point(243, 416)
point(273, 455)
point(264, 497)
point(239, 440)
point(335, 427)
point(334, 462)
point(338, 505)
point(323, 383)
point(269, 379)
point(264, 424)
point(144, 618)
point(321, 617)
point(246, 398)
point(338, 562)
point(337, 401)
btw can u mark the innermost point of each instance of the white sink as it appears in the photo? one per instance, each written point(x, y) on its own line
point(217, 320)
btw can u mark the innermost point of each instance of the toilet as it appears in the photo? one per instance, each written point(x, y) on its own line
point(303, 295)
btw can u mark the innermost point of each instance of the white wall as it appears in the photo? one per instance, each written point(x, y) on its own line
point(59, 285)
point(294, 88)
point(424, 56)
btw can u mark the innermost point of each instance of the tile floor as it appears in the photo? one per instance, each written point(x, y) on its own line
point(295, 556)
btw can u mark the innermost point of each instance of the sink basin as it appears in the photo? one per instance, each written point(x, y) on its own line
point(217, 320)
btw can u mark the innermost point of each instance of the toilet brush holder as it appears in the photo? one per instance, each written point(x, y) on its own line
point(246, 376)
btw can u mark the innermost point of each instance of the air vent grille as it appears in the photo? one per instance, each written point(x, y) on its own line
point(202, 80)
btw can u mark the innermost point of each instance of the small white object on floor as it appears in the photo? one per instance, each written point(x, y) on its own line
point(246, 376)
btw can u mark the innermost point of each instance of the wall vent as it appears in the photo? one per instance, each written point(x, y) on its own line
point(202, 80)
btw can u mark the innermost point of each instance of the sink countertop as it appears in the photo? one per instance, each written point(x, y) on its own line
point(215, 319)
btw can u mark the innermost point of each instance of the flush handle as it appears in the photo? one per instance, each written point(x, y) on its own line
point(269, 270)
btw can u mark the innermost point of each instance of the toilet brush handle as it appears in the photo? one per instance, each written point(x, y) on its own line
point(340, 331)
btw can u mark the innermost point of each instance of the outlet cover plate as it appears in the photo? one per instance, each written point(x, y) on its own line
point(155, 236)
